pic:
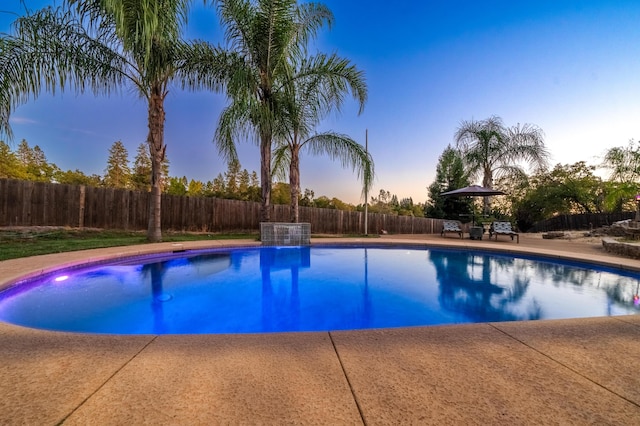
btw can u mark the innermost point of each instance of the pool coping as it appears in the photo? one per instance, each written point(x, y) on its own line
point(563, 371)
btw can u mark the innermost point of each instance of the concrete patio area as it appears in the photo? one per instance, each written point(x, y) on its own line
point(579, 371)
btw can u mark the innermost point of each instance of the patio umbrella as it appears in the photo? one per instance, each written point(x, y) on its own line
point(473, 191)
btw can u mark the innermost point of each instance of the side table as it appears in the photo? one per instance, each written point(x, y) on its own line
point(475, 232)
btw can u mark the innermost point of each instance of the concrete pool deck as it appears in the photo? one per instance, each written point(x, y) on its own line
point(579, 371)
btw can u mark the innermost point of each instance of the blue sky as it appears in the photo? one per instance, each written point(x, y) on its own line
point(570, 67)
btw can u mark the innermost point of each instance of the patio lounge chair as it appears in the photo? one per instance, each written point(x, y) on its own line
point(503, 228)
point(451, 226)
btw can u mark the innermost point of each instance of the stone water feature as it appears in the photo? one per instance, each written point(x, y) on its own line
point(285, 234)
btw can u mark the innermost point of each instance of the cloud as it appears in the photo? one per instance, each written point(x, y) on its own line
point(82, 131)
point(22, 120)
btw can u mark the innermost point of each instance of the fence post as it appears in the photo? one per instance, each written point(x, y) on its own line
point(81, 207)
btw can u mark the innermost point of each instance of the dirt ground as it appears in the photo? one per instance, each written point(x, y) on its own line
point(576, 236)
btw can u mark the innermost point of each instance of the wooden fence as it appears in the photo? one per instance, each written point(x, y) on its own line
point(28, 203)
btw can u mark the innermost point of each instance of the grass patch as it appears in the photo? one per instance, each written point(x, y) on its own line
point(25, 243)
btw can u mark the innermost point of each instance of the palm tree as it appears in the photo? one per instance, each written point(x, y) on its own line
point(265, 37)
point(492, 150)
point(309, 99)
point(624, 166)
point(99, 46)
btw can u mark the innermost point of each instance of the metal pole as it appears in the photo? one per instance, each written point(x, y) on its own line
point(366, 192)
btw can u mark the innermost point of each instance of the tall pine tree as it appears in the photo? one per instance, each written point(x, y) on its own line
point(141, 173)
point(117, 174)
point(35, 163)
point(450, 175)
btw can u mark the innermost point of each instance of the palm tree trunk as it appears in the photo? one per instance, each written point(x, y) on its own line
point(265, 177)
point(294, 182)
point(487, 182)
point(155, 139)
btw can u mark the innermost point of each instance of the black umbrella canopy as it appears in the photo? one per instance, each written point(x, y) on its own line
point(472, 191)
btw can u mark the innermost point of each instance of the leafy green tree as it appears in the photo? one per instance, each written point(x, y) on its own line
point(281, 193)
point(10, 165)
point(195, 188)
point(567, 189)
point(515, 190)
point(307, 198)
point(176, 186)
point(418, 210)
point(450, 175)
point(76, 177)
point(117, 174)
point(323, 202)
point(385, 203)
point(341, 205)
point(266, 37)
point(407, 208)
point(384, 197)
point(489, 149)
point(581, 189)
point(101, 45)
point(382, 203)
point(394, 202)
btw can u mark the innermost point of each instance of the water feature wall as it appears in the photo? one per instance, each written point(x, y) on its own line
point(285, 234)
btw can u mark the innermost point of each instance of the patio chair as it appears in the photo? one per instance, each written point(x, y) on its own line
point(454, 226)
point(503, 228)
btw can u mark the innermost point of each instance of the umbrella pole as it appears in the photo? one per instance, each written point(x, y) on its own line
point(473, 212)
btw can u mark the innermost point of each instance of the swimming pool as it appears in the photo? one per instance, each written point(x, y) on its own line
point(271, 289)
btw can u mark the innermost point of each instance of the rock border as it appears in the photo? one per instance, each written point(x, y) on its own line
point(631, 250)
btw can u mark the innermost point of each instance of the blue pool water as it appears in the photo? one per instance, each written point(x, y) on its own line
point(269, 289)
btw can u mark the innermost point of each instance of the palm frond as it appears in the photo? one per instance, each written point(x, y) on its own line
point(280, 162)
point(332, 77)
point(346, 150)
point(488, 147)
point(146, 28)
point(309, 18)
point(235, 122)
point(526, 143)
point(200, 65)
point(50, 50)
